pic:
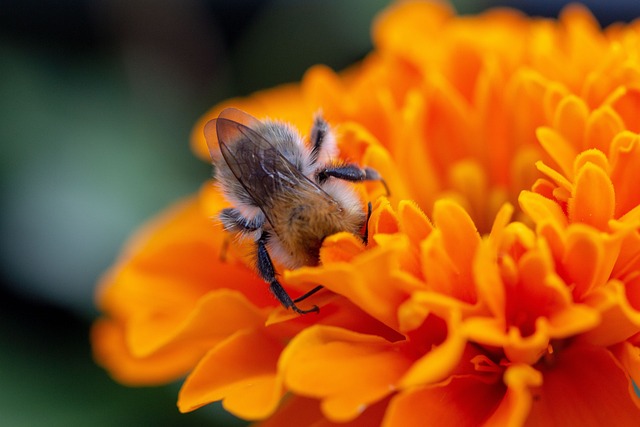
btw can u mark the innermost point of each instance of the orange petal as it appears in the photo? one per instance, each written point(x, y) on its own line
point(420, 176)
point(570, 121)
point(602, 126)
point(589, 257)
point(540, 209)
point(489, 97)
point(527, 349)
point(517, 401)
point(468, 399)
point(215, 317)
point(555, 237)
point(555, 93)
point(456, 402)
point(301, 411)
point(295, 410)
point(360, 146)
point(626, 106)
point(589, 385)
point(582, 259)
point(413, 222)
point(625, 171)
point(593, 198)
point(488, 280)
point(560, 150)
point(593, 156)
point(531, 92)
point(242, 372)
point(500, 223)
point(111, 351)
point(383, 218)
point(629, 356)
point(448, 125)
point(441, 405)
point(397, 24)
point(459, 239)
point(620, 320)
point(422, 303)
point(561, 181)
point(440, 360)
point(371, 280)
point(322, 85)
point(469, 179)
point(572, 320)
point(488, 331)
point(340, 247)
point(341, 368)
point(157, 288)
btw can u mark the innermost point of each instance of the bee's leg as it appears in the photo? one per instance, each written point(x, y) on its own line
point(308, 294)
point(319, 133)
point(233, 221)
point(373, 175)
point(365, 235)
point(225, 247)
point(353, 173)
point(268, 273)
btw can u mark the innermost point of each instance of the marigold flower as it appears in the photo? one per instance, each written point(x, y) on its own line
point(501, 281)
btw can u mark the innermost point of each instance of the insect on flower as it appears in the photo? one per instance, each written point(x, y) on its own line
point(286, 195)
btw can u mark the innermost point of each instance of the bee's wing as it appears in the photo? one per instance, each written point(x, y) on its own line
point(260, 168)
point(211, 132)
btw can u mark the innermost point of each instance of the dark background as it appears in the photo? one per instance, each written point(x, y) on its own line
point(97, 99)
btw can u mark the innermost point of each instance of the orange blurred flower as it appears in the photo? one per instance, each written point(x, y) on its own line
point(475, 313)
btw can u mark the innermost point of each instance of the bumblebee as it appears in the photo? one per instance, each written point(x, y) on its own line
point(286, 195)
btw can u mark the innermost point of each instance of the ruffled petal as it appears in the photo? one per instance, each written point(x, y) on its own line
point(369, 280)
point(110, 350)
point(240, 371)
point(442, 355)
point(625, 171)
point(620, 320)
point(589, 385)
point(467, 400)
point(593, 199)
point(628, 354)
point(447, 254)
point(301, 411)
point(316, 361)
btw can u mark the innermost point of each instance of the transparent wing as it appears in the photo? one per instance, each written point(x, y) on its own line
point(261, 169)
point(232, 114)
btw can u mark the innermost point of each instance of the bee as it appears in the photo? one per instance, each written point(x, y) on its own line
point(287, 196)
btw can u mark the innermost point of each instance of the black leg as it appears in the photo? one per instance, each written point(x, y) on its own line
point(233, 221)
point(347, 172)
point(318, 134)
point(268, 273)
point(365, 236)
point(373, 175)
point(225, 247)
point(352, 173)
point(308, 294)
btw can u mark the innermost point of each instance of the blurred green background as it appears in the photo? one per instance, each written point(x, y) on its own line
point(97, 99)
